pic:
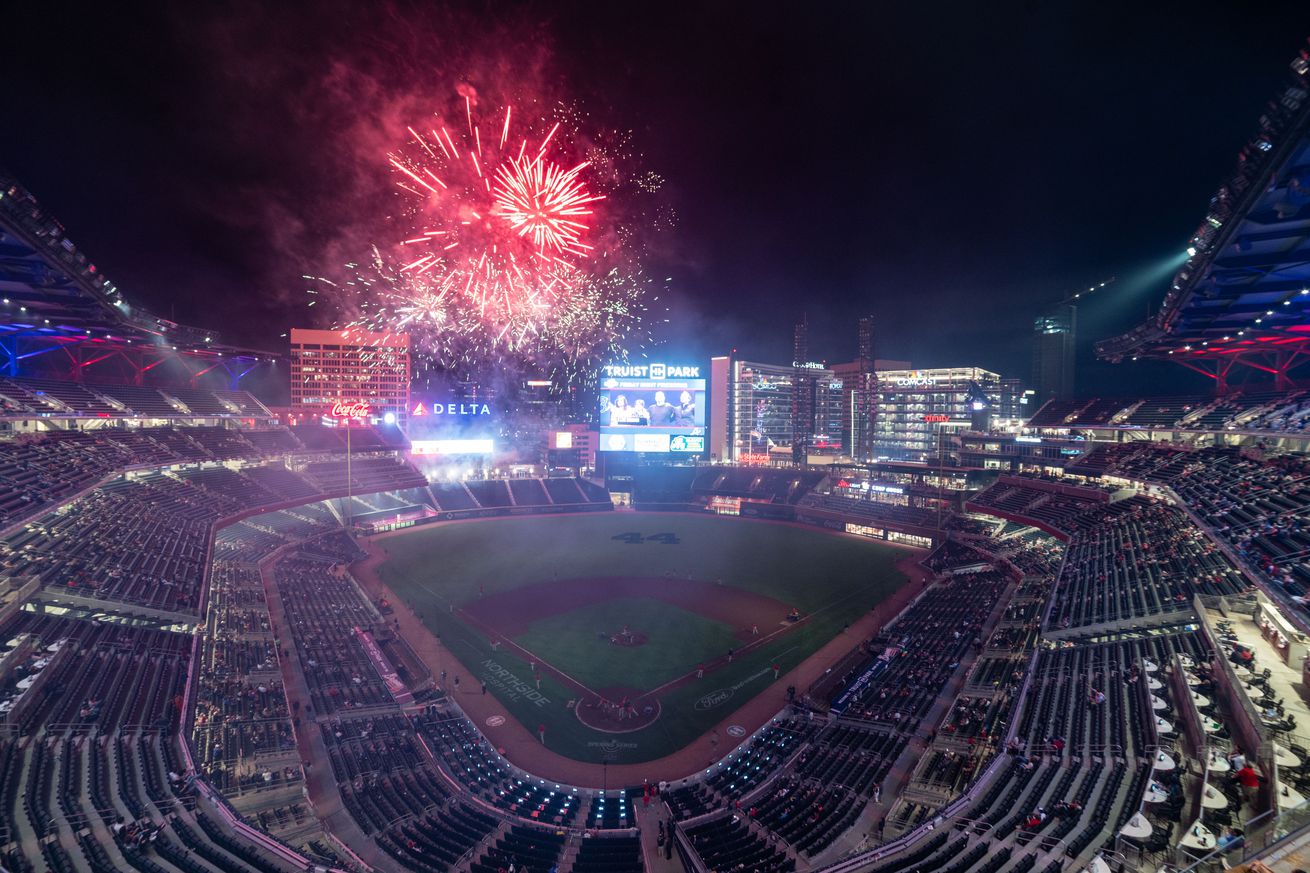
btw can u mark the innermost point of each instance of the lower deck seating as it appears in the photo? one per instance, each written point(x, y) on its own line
point(609, 855)
point(728, 844)
point(522, 847)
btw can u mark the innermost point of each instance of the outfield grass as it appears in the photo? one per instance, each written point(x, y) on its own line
point(832, 579)
point(677, 641)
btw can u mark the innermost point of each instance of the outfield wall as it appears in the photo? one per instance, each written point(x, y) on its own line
point(859, 525)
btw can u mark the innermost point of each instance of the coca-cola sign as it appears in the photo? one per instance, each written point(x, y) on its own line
point(357, 409)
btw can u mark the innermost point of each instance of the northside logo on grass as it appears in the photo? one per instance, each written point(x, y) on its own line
point(498, 676)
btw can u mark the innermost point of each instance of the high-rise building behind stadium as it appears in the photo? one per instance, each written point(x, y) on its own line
point(916, 409)
point(859, 379)
point(864, 351)
point(804, 394)
point(761, 412)
point(330, 367)
point(1055, 333)
point(756, 411)
point(859, 383)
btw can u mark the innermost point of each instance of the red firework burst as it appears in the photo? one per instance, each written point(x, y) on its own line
point(544, 203)
point(503, 222)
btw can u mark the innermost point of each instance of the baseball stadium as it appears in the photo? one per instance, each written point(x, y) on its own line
point(470, 571)
point(645, 630)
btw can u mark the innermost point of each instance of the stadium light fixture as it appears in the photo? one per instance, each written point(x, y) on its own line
point(1191, 251)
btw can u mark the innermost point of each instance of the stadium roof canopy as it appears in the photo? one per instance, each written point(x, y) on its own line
point(59, 313)
point(1243, 297)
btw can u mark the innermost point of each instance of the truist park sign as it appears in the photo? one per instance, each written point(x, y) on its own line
point(651, 371)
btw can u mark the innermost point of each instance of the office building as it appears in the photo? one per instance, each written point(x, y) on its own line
point(1055, 333)
point(341, 368)
point(804, 388)
point(916, 408)
point(755, 415)
point(859, 380)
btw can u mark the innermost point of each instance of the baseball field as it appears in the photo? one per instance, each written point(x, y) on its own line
point(626, 636)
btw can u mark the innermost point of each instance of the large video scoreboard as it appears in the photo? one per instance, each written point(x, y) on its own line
point(652, 407)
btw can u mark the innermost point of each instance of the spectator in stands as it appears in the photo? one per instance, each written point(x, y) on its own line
point(1249, 781)
point(1242, 656)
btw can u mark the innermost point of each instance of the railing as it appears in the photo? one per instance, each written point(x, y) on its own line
point(977, 825)
point(1259, 834)
point(688, 852)
point(1186, 707)
point(468, 855)
point(1249, 725)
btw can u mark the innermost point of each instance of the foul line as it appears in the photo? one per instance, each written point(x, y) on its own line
point(523, 653)
point(691, 675)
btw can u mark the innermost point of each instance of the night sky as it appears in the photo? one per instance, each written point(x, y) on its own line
point(948, 169)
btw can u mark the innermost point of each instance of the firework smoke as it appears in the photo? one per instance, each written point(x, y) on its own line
point(515, 247)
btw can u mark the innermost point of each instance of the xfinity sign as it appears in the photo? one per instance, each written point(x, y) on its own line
point(651, 371)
